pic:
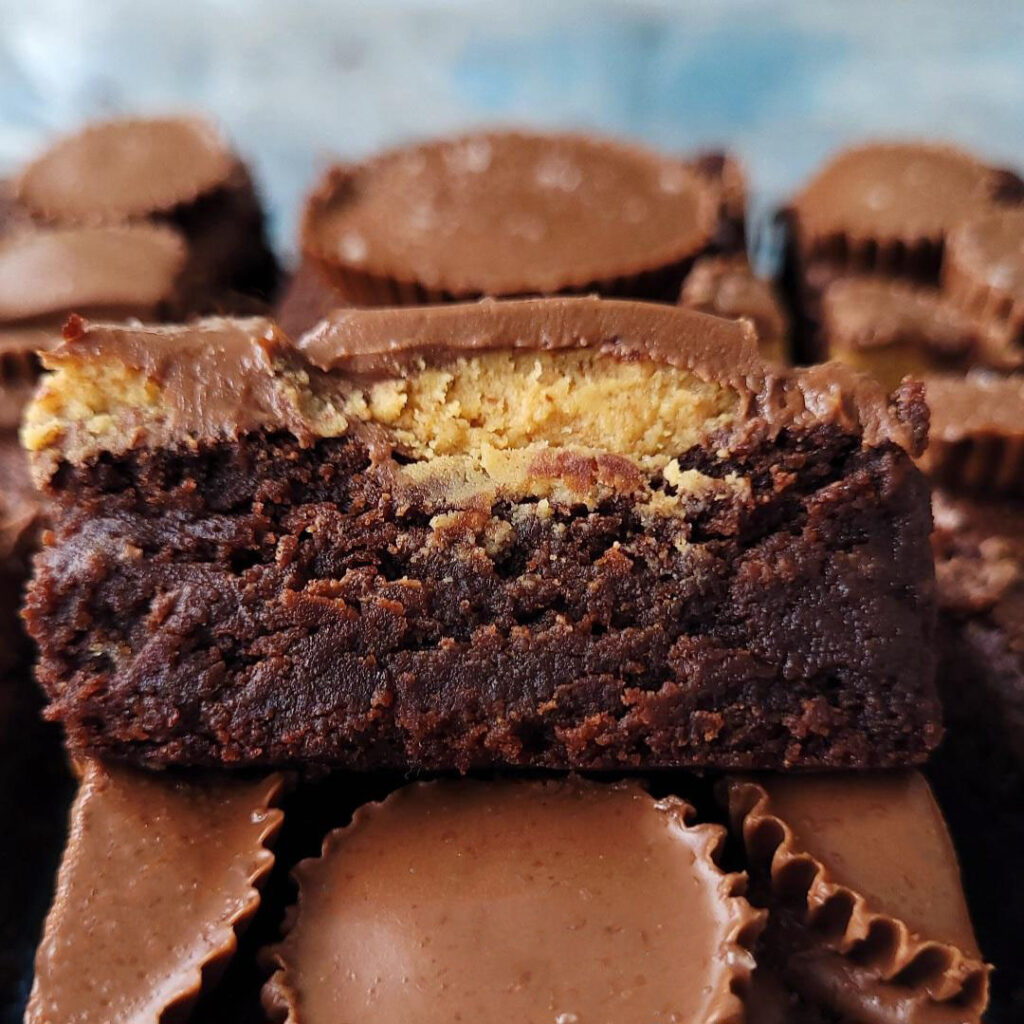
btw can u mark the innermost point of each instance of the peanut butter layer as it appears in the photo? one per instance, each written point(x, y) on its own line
point(865, 885)
point(456, 381)
point(510, 214)
point(158, 876)
point(124, 169)
point(535, 902)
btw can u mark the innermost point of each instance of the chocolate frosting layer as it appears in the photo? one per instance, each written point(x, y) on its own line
point(563, 901)
point(509, 214)
point(867, 865)
point(894, 192)
point(128, 168)
point(158, 876)
point(61, 270)
point(218, 379)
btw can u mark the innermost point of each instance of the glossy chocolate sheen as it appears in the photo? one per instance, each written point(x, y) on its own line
point(868, 915)
point(118, 170)
point(894, 191)
point(158, 874)
point(535, 902)
point(52, 272)
point(512, 214)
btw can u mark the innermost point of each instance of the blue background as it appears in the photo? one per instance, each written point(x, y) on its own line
point(295, 83)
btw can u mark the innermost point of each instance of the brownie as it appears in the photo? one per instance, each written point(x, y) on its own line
point(530, 901)
point(354, 552)
point(175, 171)
point(885, 210)
point(511, 214)
point(727, 286)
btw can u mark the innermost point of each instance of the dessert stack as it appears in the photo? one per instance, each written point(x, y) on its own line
point(518, 486)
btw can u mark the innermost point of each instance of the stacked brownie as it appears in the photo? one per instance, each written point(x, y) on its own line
point(296, 588)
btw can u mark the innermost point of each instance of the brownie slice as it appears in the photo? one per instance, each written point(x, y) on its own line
point(558, 533)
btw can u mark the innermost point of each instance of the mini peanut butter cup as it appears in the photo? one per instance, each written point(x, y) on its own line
point(509, 214)
point(893, 329)
point(727, 286)
point(887, 207)
point(125, 169)
point(983, 270)
point(175, 170)
point(159, 875)
point(562, 901)
point(865, 902)
point(976, 436)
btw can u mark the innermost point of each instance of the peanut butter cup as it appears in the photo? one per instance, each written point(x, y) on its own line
point(892, 329)
point(159, 875)
point(508, 214)
point(174, 170)
point(867, 915)
point(984, 270)
point(558, 901)
point(727, 286)
point(882, 209)
point(976, 436)
point(452, 538)
point(887, 207)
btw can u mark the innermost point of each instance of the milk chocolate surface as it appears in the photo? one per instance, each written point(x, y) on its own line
point(157, 875)
point(536, 902)
point(894, 192)
point(509, 214)
point(126, 270)
point(118, 170)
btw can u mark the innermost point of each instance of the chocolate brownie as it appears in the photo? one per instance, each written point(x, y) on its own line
point(175, 171)
point(886, 210)
point(453, 537)
point(523, 901)
point(509, 214)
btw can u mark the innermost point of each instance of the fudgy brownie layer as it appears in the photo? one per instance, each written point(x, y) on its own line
point(264, 602)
